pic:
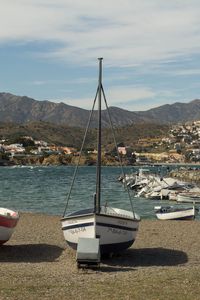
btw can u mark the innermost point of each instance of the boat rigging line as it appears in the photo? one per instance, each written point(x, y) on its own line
point(99, 92)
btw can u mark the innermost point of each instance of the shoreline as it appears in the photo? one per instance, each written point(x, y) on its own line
point(104, 165)
point(163, 263)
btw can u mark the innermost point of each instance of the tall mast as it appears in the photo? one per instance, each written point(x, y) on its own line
point(98, 172)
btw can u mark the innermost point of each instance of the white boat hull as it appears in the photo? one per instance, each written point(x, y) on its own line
point(8, 221)
point(188, 198)
point(115, 231)
point(186, 214)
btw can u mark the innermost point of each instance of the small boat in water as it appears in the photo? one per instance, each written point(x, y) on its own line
point(175, 213)
point(188, 197)
point(8, 222)
point(114, 228)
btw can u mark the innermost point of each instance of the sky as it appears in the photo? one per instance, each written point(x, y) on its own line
point(49, 50)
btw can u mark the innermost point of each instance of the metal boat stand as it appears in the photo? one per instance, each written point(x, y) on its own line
point(88, 253)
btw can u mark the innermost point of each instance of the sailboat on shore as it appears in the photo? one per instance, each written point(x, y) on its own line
point(115, 228)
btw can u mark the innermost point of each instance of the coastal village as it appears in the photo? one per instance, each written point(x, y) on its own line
point(180, 145)
point(100, 150)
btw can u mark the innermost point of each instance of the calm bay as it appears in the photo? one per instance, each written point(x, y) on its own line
point(44, 189)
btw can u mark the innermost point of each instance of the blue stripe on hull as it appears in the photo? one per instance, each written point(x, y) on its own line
point(117, 226)
point(185, 218)
point(100, 224)
point(109, 248)
point(77, 225)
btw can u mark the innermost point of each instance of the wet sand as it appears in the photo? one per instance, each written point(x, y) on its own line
point(163, 263)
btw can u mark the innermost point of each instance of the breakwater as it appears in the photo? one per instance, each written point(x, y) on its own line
point(186, 174)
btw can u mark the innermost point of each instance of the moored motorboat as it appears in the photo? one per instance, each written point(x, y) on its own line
point(175, 213)
point(8, 222)
point(189, 197)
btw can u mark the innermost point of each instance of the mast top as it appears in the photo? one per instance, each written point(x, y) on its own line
point(100, 58)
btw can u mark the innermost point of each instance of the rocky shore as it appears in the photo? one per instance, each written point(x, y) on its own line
point(57, 160)
point(186, 174)
point(163, 263)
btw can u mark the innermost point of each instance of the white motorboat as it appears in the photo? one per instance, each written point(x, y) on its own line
point(8, 222)
point(188, 197)
point(173, 195)
point(175, 213)
point(156, 187)
point(115, 228)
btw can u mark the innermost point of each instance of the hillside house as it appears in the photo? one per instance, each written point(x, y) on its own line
point(122, 150)
point(14, 148)
point(67, 150)
point(41, 143)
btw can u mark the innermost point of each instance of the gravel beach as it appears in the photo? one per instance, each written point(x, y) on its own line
point(163, 263)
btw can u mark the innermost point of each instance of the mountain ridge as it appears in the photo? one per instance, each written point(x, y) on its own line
point(23, 109)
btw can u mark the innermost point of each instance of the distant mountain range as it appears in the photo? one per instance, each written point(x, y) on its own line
point(22, 109)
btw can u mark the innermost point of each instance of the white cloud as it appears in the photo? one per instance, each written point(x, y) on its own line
point(129, 98)
point(138, 98)
point(85, 103)
point(126, 33)
point(39, 82)
point(152, 38)
point(122, 95)
point(187, 72)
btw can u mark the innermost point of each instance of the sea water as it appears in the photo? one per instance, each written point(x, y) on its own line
point(45, 189)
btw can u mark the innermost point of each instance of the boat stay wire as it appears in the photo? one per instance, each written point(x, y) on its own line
point(119, 157)
point(98, 92)
point(81, 150)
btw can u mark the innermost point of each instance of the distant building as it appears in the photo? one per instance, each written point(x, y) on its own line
point(27, 137)
point(68, 150)
point(41, 143)
point(14, 148)
point(122, 150)
point(92, 151)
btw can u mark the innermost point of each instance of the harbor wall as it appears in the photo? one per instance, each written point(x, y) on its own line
point(186, 174)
